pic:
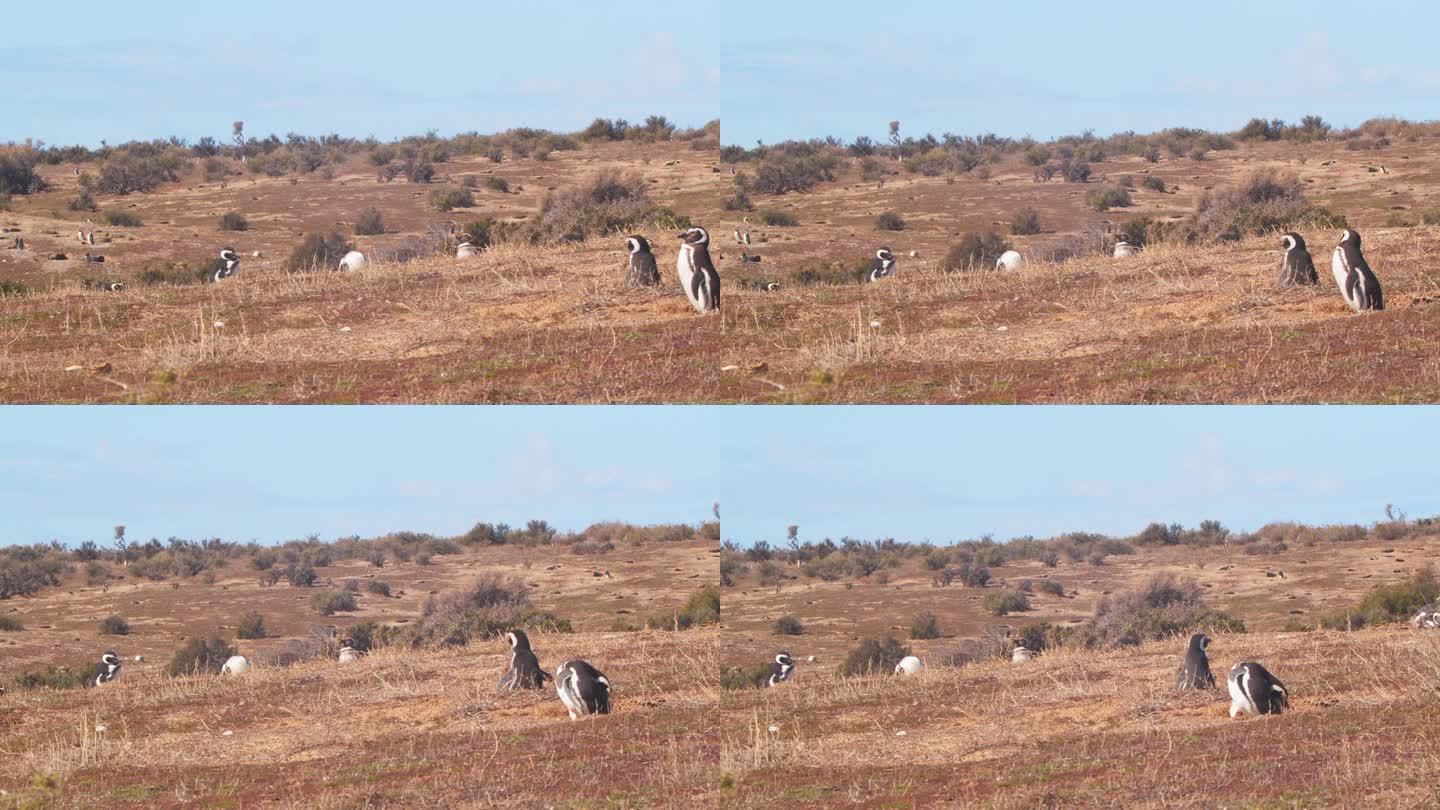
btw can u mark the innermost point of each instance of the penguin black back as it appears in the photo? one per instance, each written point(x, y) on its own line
point(1253, 690)
point(643, 270)
point(1298, 268)
point(1195, 669)
point(524, 671)
point(582, 688)
point(108, 669)
point(881, 266)
point(780, 669)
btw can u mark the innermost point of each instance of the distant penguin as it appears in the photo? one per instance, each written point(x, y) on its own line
point(1021, 654)
point(1010, 260)
point(882, 266)
point(1427, 617)
point(1357, 283)
point(108, 670)
point(582, 688)
point(348, 654)
point(1124, 250)
point(1195, 669)
point(909, 665)
point(1253, 690)
point(230, 267)
point(643, 270)
point(354, 260)
point(524, 671)
point(1298, 269)
point(697, 272)
point(780, 669)
point(467, 249)
point(235, 665)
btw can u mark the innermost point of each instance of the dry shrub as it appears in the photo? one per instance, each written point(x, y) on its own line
point(789, 626)
point(200, 655)
point(610, 202)
point(114, 626)
point(1396, 602)
point(1166, 605)
point(1265, 202)
point(318, 251)
point(251, 626)
point(873, 656)
point(489, 607)
point(703, 607)
point(974, 251)
point(925, 625)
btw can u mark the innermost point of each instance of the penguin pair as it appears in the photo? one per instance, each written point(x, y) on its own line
point(1357, 283)
point(581, 687)
point(882, 266)
point(108, 669)
point(1253, 689)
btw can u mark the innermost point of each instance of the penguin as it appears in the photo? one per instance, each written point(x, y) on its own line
point(1428, 616)
point(1010, 260)
point(1021, 654)
point(1298, 268)
point(354, 260)
point(643, 270)
point(235, 665)
point(882, 266)
point(230, 267)
point(1357, 283)
point(780, 669)
point(524, 671)
point(348, 654)
point(1253, 690)
point(1195, 669)
point(108, 670)
point(909, 665)
point(698, 276)
point(1124, 250)
point(467, 249)
point(582, 688)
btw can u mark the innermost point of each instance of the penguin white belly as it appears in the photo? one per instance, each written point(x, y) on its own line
point(569, 695)
point(685, 266)
point(1341, 272)
point(1239, 701)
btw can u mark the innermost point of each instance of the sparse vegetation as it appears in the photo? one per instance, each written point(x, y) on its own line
point(874, 656)
point(234, 221)
point(1026, 222)
point(448, 199)
point(925, 625)
point(10, 623)
point(1006, 602)
point(318, 251)
point(119, 217)
point(200, 656)
point(789, 626)
point(328, 603)
point(889, 221)
point(974, 252)
point(114, 626)
point(1395, 602)
point(251, 626)
point(370, 222)
point(776, 218)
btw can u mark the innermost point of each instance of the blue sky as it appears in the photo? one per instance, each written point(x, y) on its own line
point(84, 71)
point(949, 474)
point(1047, 69)
point(273, 474)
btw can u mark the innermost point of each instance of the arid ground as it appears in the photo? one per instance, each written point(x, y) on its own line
point(399, 725)
point(1175, 324)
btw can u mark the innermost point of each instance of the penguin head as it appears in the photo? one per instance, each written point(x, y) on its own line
point(1199, 641)
point(695, 236)
point(783, 659)
point(229, 255)
point(1293, 241)
point(638, 244)
point(518, 640)
point(772, 286)
point(110, 660)
point(1351, 237)
point(884, 255)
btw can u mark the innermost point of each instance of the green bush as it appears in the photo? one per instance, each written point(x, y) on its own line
point(890, 221)
point(370, 222)
point(497, 183)
point(925, 625)
point(448, 199)
point(703, 607)
point(1006, 602)
point(1395, 602)
point(778, 219)
point(1153, 183)
point(873, 656)
point(114, 626)
point(1051, 587)
point(378, 586)
point(328, 603)
point(1026, 222)
point(1103, 199)
point(789, 626)
point(251, 625)
point(234, 221)
point(737, 678)
point(200, 656)
point(121, 217)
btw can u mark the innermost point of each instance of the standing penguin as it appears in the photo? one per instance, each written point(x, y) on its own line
point(466, 249)
point(780, 669)
point(1253, 690)
point(1195, 669)
point(1357, 283)
point(582, 688)
point(229, 266)
point(108, 670)
point(524, 671)
point(1298, 268)
point(882, 266)
point(698, 276)
point(643, 270)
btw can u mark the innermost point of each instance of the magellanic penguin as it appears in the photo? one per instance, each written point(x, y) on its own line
point(1021, 654)
point(697, 273)
point(780, 669)
point(230, 267)
point(1195, 669)
point(582, 688)
point(1010, 260)
point(466, 249)
point(109, 668)
point(1124, 250)
point(882, 266)
point(1253, 690)
point(1357, 283)
point(643, 270)
point(909, 665)
point(1298, 268)
point(524, 671)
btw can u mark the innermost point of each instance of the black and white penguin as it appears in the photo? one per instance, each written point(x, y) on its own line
point(780, 669)
point(582, 688)
point(466, 249)
point(108, 669)
point(882, 266)
point(1298, 268)
point(230, 267)
point(524, 671)
point(643, 270)
point(1357, 283)
point(698, 276)
point(1195, 669)
point(1253, 690)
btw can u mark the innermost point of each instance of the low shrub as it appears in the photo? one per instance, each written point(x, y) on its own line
point(489, 607)
point(370, 222)
point(1006, 602)
point(200, 656)
point(114, 626)
point(1153, 183)
point(737, 678)
point(1026, 222)
point(121, 217)
point(703, 607)
point(890, 221)
point(378, 586)
point(778, 219)
point(234, 221)
point(1103, 199)
point(496, 183)
point(318, 251)
point(328, 603)
point(251, 626)
point(448, 199)
point(789, 626)
point(1051, 587)
point(974, 251)
point(873, 656)
point(10, 623)
point(925, 625)
point(1394, 602)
